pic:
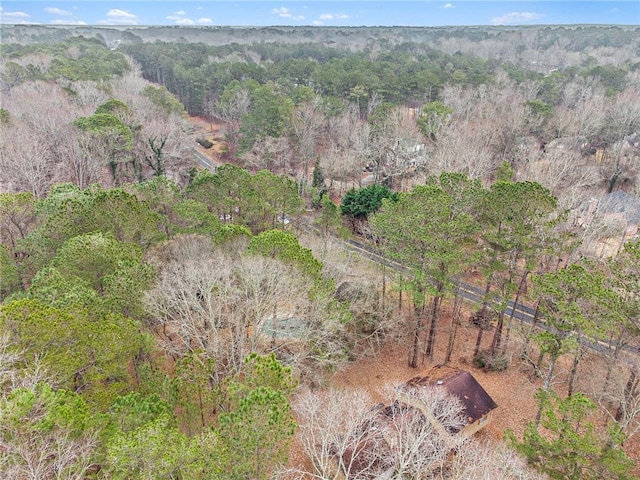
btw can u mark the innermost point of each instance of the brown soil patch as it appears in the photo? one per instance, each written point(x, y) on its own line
point(512, 390)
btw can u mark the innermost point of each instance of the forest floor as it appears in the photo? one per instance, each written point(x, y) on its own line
point(513, 390)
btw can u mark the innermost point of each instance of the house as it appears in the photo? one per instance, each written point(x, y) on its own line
point(420, 430)
point(619, 211)
point(477, 404)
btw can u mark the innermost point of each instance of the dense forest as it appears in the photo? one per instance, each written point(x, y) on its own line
point(164, 320)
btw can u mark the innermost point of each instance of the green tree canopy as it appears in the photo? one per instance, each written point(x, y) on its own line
point(284, 246)
point(68, 212)
point(112, 270)
point(566, 446)
point(47, 433)
point(430, 230)
point(268, 115)
point(84, 354)
point(255, 436)
point(164, 100)
point(9, 273)
point(360, 203)
point(433, 118)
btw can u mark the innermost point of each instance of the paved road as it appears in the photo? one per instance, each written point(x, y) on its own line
point(475, 294)
point(203, 160)
point(468, 291)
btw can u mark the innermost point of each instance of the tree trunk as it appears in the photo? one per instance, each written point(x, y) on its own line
point(481, 315)
point(457, 305)
point(418, 309)
point(574, 368)
point(552, 366)
point(416, 342)
point(495, 342)
point(435, 316)
point(628, 390)
point(113, 168)
point(476, 349)
point(611, 362)
point(547, 385)
point(201, 406)
point(513, 310)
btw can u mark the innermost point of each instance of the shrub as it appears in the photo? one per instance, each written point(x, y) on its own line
point(204, 142)
point(497, 363)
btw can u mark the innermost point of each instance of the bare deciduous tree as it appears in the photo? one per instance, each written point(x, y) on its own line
point(564, 172)
point(463, 148)
point(43, 148)
point(230, 304)
point(82, 168)
point(396, 147)
point(306, 127)
point(348, 149)
point(46, 455)
point(329, 427)
point(490, 461)
point(230, 110)
point(26, 162)
point(345, 436)
point(620, 401)
point(269, 153)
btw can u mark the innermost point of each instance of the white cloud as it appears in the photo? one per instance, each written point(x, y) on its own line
point(180, 18)
point(62, 21)
point(14, 17)
point(119, 17)
point(284, 12)
point(333, 16)
point(448, 5)
point(58, 11)
point(317, 23)
point(515, 18)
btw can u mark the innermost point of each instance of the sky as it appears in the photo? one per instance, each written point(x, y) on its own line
point(426, 13)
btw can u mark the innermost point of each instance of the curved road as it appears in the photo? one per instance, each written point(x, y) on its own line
point(524, 313)
point(203, 160)
point(469, 291)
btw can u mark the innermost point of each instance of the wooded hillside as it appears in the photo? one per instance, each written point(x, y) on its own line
point(159, 319)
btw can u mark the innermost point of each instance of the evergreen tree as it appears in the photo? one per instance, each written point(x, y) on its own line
point(566, 446)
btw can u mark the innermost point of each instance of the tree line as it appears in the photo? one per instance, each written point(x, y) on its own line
point(406, 73)
point(572, 129)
